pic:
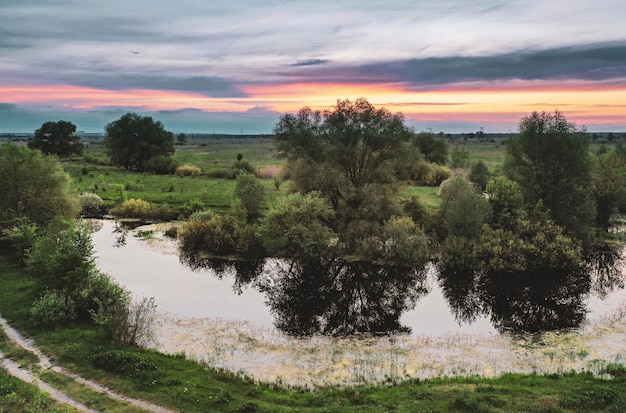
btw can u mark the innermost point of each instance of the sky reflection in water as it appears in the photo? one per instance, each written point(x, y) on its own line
point(204, 318)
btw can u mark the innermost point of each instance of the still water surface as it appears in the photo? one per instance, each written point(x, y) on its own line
point(202, 316)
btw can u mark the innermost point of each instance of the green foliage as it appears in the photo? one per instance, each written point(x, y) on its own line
point(479, 175)
point(133, 140)
point(191, 206)
point(126, 321)
point(52, 308)
point(101, 295)
point(458, 252)
point(463, 210)
point(91, 204)
point(297, 227)
point(507, 202)
point(209, 232)
point(241, 165)
point(20, 237)
point(609, 185)
point(550, 161)
point(460, 158)
point(402, 243)
point(534, 243)
point(433, 148)
point(188, 170)
point(122, 362)
point(351, 156)
point(250, 194)
point(33, 186)
point(140, 209)
point(57, 138)
point(430, 174)
point(160, 164)
point(414, 209)
point(133, 208)
point(62, 259)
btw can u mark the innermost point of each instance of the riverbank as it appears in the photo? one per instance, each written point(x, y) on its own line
point(183, 385)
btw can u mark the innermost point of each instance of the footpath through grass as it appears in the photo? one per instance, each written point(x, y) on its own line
point(179, 384)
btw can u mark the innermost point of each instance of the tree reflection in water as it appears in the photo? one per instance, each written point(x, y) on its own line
point(342, 298)
point(532, 301)
point(325, 297)
point(339, 298)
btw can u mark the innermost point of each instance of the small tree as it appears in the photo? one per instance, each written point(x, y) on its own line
point(250, 195)
point(57, 138)
point(133, 140)
point(479, 175)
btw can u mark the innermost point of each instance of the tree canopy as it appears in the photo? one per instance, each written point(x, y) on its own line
point(57, 138)
point(33, 186)
point(550, 161)
point(350, 155)
point(434, 149)
point(133, 140)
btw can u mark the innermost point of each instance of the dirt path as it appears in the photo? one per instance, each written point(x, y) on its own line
point(44, 363)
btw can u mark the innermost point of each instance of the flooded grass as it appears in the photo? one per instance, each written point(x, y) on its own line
point(269, 356)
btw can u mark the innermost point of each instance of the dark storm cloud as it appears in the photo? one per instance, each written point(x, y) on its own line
point(601, 62)
point(310, 62)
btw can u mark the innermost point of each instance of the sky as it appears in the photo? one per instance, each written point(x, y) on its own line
point(236, 66)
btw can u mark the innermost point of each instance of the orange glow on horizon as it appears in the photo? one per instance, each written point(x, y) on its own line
point(584, 103)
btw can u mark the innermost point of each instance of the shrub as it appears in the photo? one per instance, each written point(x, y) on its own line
point(52, 308)
point(161, 165)
point(191, 206)
point(100, 292)
point(91, 204)
point(188, 170)
point(430, 174)
point(63, 258)
point(20, 237)
point(122, 362)
point(216, 234)
point(134, 208)
point(220, 174)
point(127, 321)
point(242, 165)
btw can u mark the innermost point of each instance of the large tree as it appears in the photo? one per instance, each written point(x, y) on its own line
point(350, 155)
point(33, 186)
point(550, 161)
point(133, 140)
point(58, 138)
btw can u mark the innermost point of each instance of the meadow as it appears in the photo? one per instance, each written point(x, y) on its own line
point(215, 157)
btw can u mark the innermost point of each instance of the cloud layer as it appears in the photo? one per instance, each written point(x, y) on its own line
point(225, 57)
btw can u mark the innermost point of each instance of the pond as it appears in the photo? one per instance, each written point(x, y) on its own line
point(221, 317)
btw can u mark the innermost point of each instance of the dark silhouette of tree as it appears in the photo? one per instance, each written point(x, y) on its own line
point(57, 138)
point(133, 140)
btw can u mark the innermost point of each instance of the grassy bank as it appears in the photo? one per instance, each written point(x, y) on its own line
point(180, 384)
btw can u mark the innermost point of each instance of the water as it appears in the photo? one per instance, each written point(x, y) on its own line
point(203, 317)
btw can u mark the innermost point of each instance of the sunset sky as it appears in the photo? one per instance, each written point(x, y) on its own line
point(231, 66)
